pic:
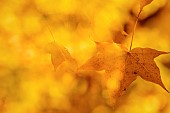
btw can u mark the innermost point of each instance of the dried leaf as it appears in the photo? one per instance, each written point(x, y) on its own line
point(59, 54)
point(143, 3)
point(125, 66)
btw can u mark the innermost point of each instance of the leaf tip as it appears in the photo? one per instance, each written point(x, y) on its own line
point(162, 85)
point(166, 90)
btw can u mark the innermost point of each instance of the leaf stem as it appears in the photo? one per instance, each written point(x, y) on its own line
point(134, 28)
point(49, 28)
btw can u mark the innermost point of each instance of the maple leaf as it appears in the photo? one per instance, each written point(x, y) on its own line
point(126, 66)
point(59, 54)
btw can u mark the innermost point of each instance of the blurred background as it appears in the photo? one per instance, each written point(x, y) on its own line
point(28, 82)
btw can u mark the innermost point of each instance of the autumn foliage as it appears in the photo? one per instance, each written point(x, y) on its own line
point(117, 61)
point(71, 56)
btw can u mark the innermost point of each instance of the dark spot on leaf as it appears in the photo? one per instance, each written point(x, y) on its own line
point(134, 72)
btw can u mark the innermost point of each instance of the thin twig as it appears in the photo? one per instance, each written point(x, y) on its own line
point(51, 32)
point(49, 28)
point(134, 29)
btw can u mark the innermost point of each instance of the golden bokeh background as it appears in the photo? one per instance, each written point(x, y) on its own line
point(28, 82)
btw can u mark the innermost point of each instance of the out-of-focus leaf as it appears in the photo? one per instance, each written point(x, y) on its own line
point(59, 54)
point(143, 3)
point(119, 36)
